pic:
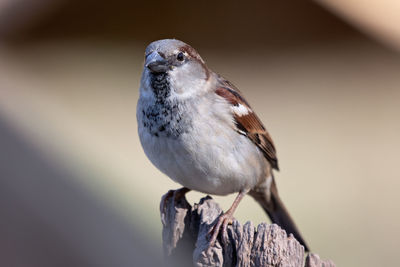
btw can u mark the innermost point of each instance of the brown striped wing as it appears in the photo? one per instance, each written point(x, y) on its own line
point(247, 122)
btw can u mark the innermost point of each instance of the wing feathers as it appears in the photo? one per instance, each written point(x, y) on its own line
point(247, 122)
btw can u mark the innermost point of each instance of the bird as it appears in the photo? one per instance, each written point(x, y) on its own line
point(196, 127)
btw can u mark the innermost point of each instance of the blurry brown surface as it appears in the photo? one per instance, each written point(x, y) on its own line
point(215, 24)
point(379, 19)
point(328, 95)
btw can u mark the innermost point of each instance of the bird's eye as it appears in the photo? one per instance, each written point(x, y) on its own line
point(180, 56)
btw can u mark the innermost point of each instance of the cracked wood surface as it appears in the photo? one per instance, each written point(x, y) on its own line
point(185, 240)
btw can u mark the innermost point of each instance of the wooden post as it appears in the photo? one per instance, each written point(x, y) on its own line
point(185, 240)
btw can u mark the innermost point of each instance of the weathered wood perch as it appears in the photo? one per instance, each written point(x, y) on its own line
point(185, 241)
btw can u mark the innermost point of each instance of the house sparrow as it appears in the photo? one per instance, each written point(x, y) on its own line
point(197, 128)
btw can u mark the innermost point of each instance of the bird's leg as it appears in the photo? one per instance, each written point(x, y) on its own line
point(225, 218)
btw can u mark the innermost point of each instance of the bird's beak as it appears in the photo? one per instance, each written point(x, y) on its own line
point(156, 63)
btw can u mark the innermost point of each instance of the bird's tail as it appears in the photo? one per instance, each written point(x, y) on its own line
point(267, 196)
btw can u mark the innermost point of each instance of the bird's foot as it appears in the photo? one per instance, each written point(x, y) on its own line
point(177, 194)
point(222, 222)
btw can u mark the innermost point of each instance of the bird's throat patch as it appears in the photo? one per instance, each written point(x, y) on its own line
point(160, 86)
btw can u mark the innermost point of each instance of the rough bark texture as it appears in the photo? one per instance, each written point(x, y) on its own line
point(185, 240)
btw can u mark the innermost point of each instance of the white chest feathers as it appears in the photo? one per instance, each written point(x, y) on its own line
point(206, 154)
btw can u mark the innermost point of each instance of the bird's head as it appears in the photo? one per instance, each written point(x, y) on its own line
point(175, 63)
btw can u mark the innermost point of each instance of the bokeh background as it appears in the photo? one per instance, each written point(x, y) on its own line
point(75, 186)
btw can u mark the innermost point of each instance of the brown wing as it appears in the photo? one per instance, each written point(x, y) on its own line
point(247, 122)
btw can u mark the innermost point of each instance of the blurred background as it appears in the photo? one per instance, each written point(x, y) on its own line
point(75, 186)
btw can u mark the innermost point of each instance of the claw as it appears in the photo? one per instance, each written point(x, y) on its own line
point(176, 194)
point(223, 221)
point(180, 193)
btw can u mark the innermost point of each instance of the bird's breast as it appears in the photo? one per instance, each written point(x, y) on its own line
point(199, 150)
point(164, 119)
